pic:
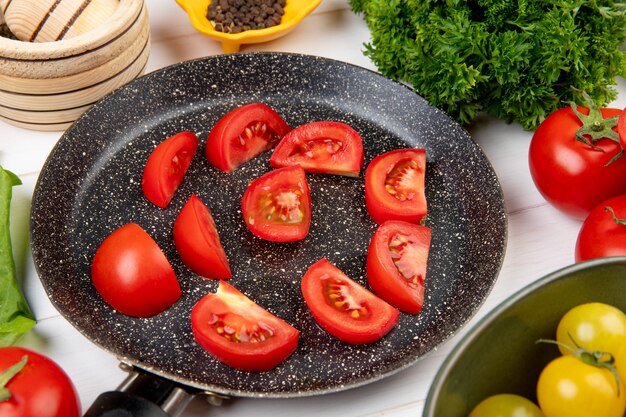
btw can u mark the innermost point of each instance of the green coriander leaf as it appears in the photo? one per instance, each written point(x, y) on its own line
point(517, 60)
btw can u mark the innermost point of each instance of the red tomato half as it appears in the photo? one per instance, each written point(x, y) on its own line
point(239, 332)
point(132, 274)
point(198, 242)
point(344, 308)
point(166, 167)
point(277, 206)
point(38, 387)
point(603, 232)
point(396, 264)
point(322, 147)
point(242, 134)
point(394, 186)
point(573, 176)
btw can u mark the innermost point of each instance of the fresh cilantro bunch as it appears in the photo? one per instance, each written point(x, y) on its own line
point(515, 59)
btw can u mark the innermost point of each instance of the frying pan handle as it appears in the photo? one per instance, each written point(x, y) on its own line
point(142, 395)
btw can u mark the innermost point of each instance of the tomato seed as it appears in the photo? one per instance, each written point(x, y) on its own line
point(338, 296)
point(401, 182)
point(240, 333)
point(404, 251)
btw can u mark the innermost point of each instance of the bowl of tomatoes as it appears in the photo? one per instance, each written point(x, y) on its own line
point(535, 353)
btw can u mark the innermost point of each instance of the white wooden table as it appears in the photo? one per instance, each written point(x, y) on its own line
point(540, 239)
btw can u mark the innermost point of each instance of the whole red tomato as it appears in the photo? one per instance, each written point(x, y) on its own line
point(575, 159)
point(604, 231)
point(36, 386)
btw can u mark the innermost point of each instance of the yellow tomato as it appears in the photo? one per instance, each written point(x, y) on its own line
point(568, 387)
point(506, 405)
point(595, 327)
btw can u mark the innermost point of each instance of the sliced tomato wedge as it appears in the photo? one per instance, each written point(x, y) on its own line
point(325, 147)
point(166, 167)
point(239, 332)
point(198, 242)
point(132, 274)
point(396, 264)
point(277, 206)
point(344, 308)
point(243, 134)
point(394, 186)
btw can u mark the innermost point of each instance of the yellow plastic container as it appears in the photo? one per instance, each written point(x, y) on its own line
point(295, 11)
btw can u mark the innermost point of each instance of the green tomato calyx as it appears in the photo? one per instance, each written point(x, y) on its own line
point(7, 375)
point(598, 359)
point(621, 222)
point(596, 127)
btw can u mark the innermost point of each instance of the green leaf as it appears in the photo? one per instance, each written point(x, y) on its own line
point(514, 59)
point(16, 317)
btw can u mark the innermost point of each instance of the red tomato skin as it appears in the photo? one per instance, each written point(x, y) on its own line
point(382, 319)
point(600, 236)
point(224, 149)
point(161, 176)
point(281, 178)
point(347, 160)
point(132, 274)
point(40, 389)
point(381, 205)
point(253, 357)
point(383, 275)
point(570, 175)
point(621, 128)
point(197, 241)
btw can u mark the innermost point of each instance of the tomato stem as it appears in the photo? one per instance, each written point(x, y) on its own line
point(7, 375)
point(621, 222)
point(598, 359)
point(595, 126)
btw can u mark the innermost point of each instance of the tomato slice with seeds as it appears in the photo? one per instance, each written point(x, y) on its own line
point(198, 243)
point(277, 206)
point(344, 308)
point(239, 332)
point(394, 186)
point(325, 147)
point(396, 263)
point(166, 167)
point(243, 134)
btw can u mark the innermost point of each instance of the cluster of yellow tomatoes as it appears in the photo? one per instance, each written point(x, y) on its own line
point(587, 380)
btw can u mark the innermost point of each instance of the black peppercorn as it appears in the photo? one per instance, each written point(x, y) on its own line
point(234, 16)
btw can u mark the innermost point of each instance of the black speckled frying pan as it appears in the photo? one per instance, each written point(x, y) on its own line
point(90, 186)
